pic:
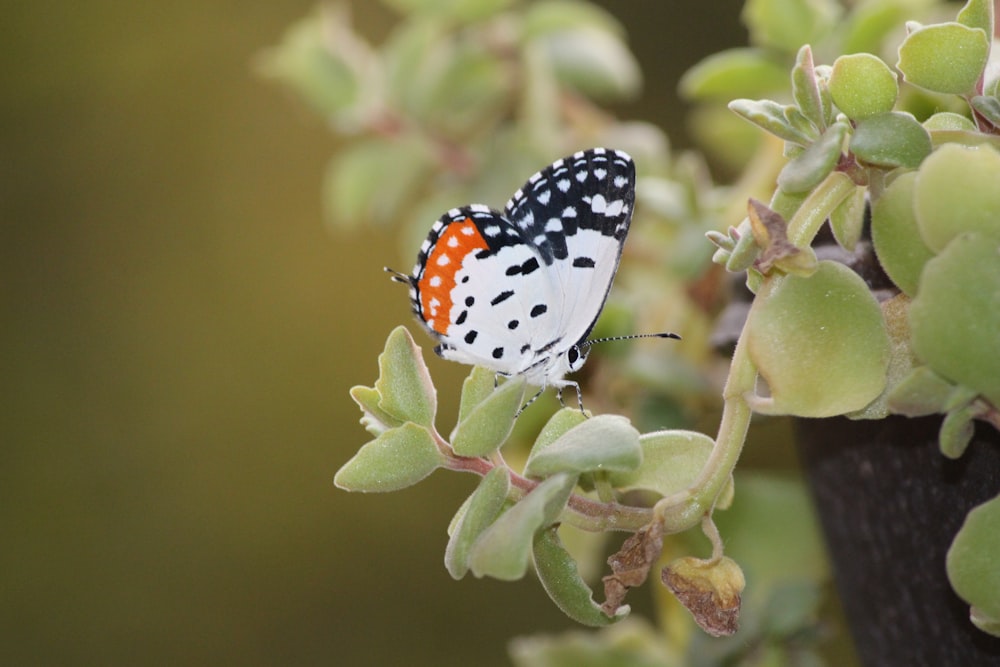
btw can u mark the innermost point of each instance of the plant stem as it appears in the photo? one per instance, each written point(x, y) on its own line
point(582, 512)
point(817, 207)
point(683, 510)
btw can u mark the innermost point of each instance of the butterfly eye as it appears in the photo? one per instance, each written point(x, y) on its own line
point(575, 356)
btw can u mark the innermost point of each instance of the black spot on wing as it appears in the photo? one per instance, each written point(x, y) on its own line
point(501, 297)
point(540, 309)
point(583, 262)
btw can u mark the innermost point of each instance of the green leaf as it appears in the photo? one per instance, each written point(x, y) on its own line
point(475, 516)
point(398, 458)
point(957, 430)
point(955, 316)
point(671, 462)
point(948, 121)
point(489, 424)
point(847, 220)
point(956, 191)
point(561, 422)
point(812, 165)
point(604, 442)
point(806, 89)
point(862, 85)
point(375, 420)
point(890, 140)
point(900, 248)
point(503, 550)
point(944, 58)
point(327, 73)
point(374, 180)
point(922, 392)
point(977, 14)
point(593, 61)
point(548, 16)
point(404, 383)
point(770, 116)
point(868, 24)
point(819, 341)
point(785, 25)
point(988, 106)
point(972, 565)
point(476, 388)
point(559, 576)
point(740, 72)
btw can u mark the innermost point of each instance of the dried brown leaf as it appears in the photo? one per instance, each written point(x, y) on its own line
point(631, 564)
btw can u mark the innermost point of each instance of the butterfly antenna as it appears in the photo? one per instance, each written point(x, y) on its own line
point(594, 341)
point(398, 276)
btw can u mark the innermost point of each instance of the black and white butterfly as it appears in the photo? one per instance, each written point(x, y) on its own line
point(519, 291)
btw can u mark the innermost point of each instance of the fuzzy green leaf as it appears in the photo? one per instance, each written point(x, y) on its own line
point(398, 458)
point(819, 341)
point(862, 85)
point(741, 72)
point(806, 88)
point(770, 116)
point(558, 424)
point(559, 576)
point(944, 58)
point(955, 316)
point(847, 220)
point(671, 462)
point(922, 392)
point(375, 420)
point(956, 191)
point(488, 425)
point(503, 550)
point(891, 140)
point(812, 165)
point(475, 516)
point(977, 14)
point(900, 248)
point(988, 106)
point(787, 24)
point(973, 568)
point(604, 442)
point(476, 388)
point(957, 430)
point(404, 383)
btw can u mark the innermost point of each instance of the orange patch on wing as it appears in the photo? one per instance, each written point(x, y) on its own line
point(458, 240)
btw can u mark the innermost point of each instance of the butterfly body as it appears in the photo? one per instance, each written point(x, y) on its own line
point(519, 290)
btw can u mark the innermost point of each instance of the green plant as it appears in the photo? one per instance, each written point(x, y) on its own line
point(464, 84)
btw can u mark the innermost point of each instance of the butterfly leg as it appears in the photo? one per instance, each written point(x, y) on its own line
point(530, 401)
point(579, 395)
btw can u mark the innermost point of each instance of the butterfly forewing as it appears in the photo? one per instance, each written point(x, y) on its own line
point(577, 213)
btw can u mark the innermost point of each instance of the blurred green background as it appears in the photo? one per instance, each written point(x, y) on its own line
point(179, 334)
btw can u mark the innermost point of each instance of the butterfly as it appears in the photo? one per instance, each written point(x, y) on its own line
point(519, 291)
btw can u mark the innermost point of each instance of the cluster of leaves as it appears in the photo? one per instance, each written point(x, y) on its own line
point(816, 332)
point(576, 475)
point(509, 522)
